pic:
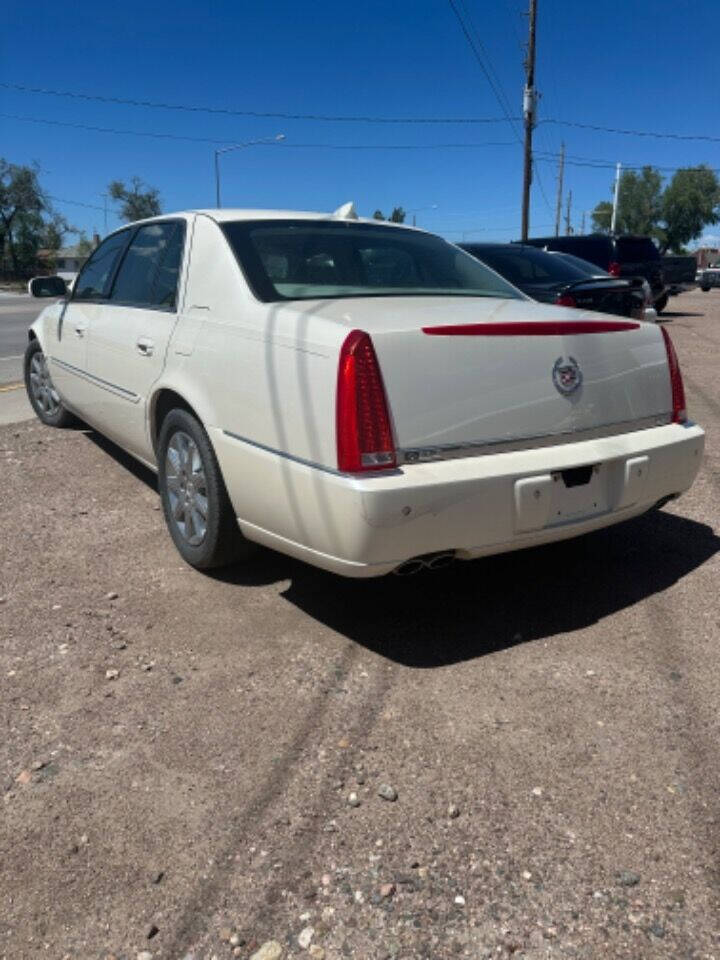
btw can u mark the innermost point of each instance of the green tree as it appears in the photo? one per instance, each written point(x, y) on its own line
point(137, 201)
point(602, 217)
point(51, 234)
point(690, 202)
point(22, 204)
point(639, 204)
point(397, 215)
point(84, 244)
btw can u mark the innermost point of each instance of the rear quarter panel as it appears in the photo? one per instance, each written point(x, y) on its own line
point(265, 372)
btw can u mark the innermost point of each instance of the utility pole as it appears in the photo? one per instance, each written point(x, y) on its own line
point(558, 205)
point(529, 103)
point(615, 199)
point(582, 227)
point(568, 228)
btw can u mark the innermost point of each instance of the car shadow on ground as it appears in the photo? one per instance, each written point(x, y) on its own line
point(676, 314)
point(471, 609)
point(125, 460)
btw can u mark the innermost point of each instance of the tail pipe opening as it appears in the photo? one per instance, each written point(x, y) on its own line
point(428, 561)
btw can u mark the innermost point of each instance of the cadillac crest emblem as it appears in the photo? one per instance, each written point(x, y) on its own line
point(566, 375)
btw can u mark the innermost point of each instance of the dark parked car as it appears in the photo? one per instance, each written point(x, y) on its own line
point(567, 281)
point(679, 273)
point(621, 256)
point(709, 276)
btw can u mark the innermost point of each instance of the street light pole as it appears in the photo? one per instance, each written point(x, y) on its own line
point(613, 221)
point(238, 146)
point(433, 206)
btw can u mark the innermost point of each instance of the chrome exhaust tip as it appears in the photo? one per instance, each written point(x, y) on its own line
point(440, 560)
point(429, 561)
point(409, 568)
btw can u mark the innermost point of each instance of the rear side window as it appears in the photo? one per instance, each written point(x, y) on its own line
point(636, 249)
point(149, 272)
point(96, 276)
point(522, 265)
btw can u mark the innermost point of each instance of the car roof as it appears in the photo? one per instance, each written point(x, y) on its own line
point(233, 214)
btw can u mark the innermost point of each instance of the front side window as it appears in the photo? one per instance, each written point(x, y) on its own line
point(320, 259)
point(149, 272)
point(95, 278)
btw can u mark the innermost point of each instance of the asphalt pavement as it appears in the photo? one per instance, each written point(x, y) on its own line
point(17, 312)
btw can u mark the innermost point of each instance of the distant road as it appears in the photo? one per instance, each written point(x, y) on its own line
point(16, 314)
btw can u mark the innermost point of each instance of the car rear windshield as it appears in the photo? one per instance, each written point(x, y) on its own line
point(310, 260)
point(636, 249)
point(527, 265)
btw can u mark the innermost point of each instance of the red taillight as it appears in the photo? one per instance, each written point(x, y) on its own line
point(565, 300)
point(364, 435)
point(679, 412)
point(614, 269)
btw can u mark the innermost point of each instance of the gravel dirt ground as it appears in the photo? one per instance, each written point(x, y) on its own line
point(191, 765)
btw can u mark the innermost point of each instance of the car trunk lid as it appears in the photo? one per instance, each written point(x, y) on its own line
point(476, 373)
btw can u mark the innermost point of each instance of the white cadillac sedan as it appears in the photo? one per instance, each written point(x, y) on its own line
point(364, 396)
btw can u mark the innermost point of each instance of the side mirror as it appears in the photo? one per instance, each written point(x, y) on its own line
point(47, 287)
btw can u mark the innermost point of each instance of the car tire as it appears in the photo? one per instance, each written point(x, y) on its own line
point(43, 397)
point(197, 508)
point(661, 303)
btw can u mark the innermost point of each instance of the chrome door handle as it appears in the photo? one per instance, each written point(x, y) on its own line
point(145, 346)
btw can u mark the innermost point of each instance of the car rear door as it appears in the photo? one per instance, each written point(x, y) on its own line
point(67, 346)
point(128, 342)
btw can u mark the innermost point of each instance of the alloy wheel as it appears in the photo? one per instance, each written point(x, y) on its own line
point(187, 487)
point(44, 393)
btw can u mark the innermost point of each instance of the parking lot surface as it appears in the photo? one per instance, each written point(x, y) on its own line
point(191, 765)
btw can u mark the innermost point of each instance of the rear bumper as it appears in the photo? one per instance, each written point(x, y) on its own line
point(476, 506)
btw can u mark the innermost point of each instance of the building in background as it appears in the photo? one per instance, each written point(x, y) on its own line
point(707, 256)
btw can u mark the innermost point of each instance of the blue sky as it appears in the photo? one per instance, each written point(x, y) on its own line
point(638, 65)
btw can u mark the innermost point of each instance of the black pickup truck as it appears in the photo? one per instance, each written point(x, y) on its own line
point(679, 273)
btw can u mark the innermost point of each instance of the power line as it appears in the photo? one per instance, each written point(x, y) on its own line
point(542, 188)
point(285, 115)
point(504, 100)
point(611, 164)
point(75, 203)
point(128, 133)
point(547, 157)
point(631, 133)
point(227, 111)
point(499, 93)
point(286, 144)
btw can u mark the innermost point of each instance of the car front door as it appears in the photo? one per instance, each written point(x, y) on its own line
point(68, 339)
point(128, 341)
